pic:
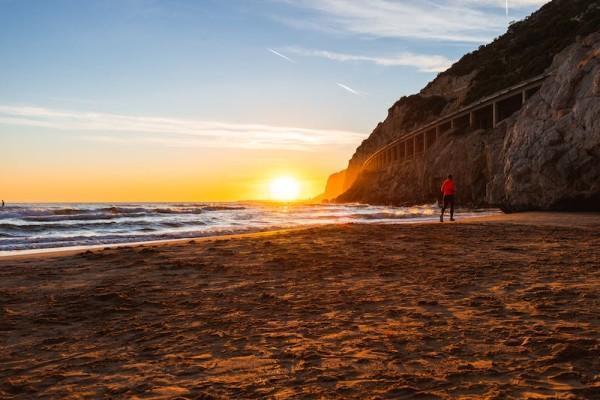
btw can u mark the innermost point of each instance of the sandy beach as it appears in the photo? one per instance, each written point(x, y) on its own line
point(495, 308)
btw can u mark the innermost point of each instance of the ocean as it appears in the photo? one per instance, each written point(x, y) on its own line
point(25, 227)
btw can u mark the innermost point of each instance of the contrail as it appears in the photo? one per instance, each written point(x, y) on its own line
point(348, 88)
point(507, 8)
point(281, 55)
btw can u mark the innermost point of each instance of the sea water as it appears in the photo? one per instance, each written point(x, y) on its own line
point(50, 226)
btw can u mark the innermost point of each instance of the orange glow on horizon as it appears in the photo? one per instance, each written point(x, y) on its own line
point(155, 185)
point(59, 171)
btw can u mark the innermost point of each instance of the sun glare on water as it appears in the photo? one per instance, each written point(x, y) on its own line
point(284, 188)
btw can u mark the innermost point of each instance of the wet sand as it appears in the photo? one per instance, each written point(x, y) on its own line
point(502, 307)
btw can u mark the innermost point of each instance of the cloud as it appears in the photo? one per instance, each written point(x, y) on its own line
point(507, 4)
point(281, 55)
point(447, 20)
point(348, 89)
point(511, 3)
point(177, 132)
point(423, 62)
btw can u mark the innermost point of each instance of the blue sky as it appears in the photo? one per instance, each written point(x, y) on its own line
point(235, 77)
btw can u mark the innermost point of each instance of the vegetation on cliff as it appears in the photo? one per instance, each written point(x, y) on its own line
point(526, 50)
point(423, 108)
point(528, 47)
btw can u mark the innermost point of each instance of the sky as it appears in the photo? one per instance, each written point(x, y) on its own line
point(210, 100)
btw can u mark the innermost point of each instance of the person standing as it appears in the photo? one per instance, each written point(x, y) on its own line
point(448, 192)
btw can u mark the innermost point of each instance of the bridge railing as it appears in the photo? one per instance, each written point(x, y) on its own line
point(485, 113)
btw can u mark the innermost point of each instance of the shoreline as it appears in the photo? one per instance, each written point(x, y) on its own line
point(69, 250)
point(542, 217)
point(73, 250)
point(97, 226)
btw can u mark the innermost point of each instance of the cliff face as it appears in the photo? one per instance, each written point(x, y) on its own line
point(546, 156)
point(551, 153)
point(470, 156)
point(446, 94)
point(490, 165)
point(334, 187)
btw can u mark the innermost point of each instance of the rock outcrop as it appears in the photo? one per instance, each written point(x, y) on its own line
point(546, 156)
point(334, 187)
point(551, 153)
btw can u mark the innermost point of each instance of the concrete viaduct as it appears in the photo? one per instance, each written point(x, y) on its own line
point(484, 114)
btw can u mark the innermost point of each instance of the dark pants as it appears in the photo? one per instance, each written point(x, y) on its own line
point(448, 201)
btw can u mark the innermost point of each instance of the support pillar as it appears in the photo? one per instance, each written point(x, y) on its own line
point(414, 147)
point(494, 114)
point(452, 124)
point(471, 119)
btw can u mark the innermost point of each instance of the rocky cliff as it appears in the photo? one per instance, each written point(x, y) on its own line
point(530, 160)
point(334, 187)
point(551, 150)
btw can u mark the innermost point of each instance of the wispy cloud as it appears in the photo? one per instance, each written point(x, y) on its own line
point(448, 20)
point(118, 128)
point(423, 62)
point(506, 4)
point(281, 55)
point(348, 89)
point(511, 3)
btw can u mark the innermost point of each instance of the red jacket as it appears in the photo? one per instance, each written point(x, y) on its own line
point(448, 187)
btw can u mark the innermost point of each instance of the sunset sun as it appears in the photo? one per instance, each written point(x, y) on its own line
point(284, 188)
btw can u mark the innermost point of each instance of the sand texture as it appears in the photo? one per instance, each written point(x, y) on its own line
point(497, 310)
